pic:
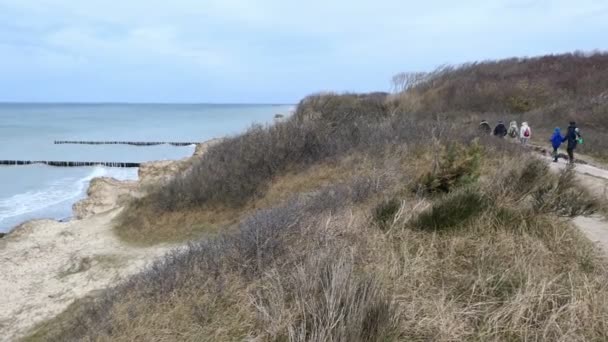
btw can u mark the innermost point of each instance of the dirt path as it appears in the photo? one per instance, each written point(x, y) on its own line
point(595, 179)
point(46, 265)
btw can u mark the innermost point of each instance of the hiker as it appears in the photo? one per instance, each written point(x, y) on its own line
point(484, 127)
point(525, 133)
point(572, 136)
point(556, 141)
point(513, 131)
point(500, 130)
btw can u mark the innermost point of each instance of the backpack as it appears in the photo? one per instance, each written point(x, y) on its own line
point(484, 127)
point(513, 132)
point(527, 132)
point(579, 137)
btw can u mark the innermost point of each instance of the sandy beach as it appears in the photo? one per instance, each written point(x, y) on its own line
point(46, 265)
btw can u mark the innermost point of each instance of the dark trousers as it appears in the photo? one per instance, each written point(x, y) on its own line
point(571, 154)
point(555, 154)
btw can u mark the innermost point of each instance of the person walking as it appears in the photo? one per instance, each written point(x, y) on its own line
point(513, 130)
point(500, 130)
point(572, 137)
point(556, 142)
point(484, 127)
point(525, 133)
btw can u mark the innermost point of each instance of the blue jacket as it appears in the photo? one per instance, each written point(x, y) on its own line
point(556, 139)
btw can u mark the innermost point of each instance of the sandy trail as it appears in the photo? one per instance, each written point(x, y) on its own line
point(46, 265)
point(595, 179)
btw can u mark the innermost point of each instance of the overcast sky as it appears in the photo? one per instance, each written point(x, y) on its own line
point(267, 51)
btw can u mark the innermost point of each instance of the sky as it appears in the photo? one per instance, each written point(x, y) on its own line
point(266, 51)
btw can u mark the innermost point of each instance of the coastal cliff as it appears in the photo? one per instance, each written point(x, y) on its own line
point(75, 258)
point(105, 194)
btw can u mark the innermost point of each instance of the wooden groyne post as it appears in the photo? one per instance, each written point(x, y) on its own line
point(67, 163)
point(133, 143)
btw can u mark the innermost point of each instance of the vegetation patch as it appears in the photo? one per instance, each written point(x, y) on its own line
point(456, 166)
point(385, 212)
point(453, 211)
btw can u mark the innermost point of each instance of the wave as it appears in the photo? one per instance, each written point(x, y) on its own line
point(65, 190)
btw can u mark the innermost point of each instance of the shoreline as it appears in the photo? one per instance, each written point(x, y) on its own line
point(145, 178)
point(47, 264)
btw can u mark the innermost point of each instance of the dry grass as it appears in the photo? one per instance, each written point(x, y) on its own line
point(317, 267)
point(497, 284)
point(142, 223)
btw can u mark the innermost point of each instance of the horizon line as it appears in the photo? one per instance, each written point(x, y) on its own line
point(139, 103)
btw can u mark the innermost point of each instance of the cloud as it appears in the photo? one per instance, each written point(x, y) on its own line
point(137, 46)
point(265, 50)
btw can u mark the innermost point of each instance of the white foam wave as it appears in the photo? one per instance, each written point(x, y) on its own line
point(59, 191)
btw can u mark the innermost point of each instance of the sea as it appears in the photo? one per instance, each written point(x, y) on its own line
point(28, 132)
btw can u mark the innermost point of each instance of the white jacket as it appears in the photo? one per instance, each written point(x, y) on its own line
point(522, 131)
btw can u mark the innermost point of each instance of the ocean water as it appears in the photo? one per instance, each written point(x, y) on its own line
point(27, 132)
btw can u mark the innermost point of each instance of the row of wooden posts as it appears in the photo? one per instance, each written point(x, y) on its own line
point(67, 163)
point(88, 163)
point(133, 143)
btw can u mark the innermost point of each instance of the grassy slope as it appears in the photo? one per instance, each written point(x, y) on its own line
point(355, 224)
point(546, 91)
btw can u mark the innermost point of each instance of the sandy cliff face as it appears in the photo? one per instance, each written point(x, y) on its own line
point(105, 194)
point(203, 147)
point(158, 172)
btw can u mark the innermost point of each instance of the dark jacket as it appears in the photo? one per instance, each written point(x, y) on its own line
point(500, 130)
point(556, 139)
point(571, 137)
